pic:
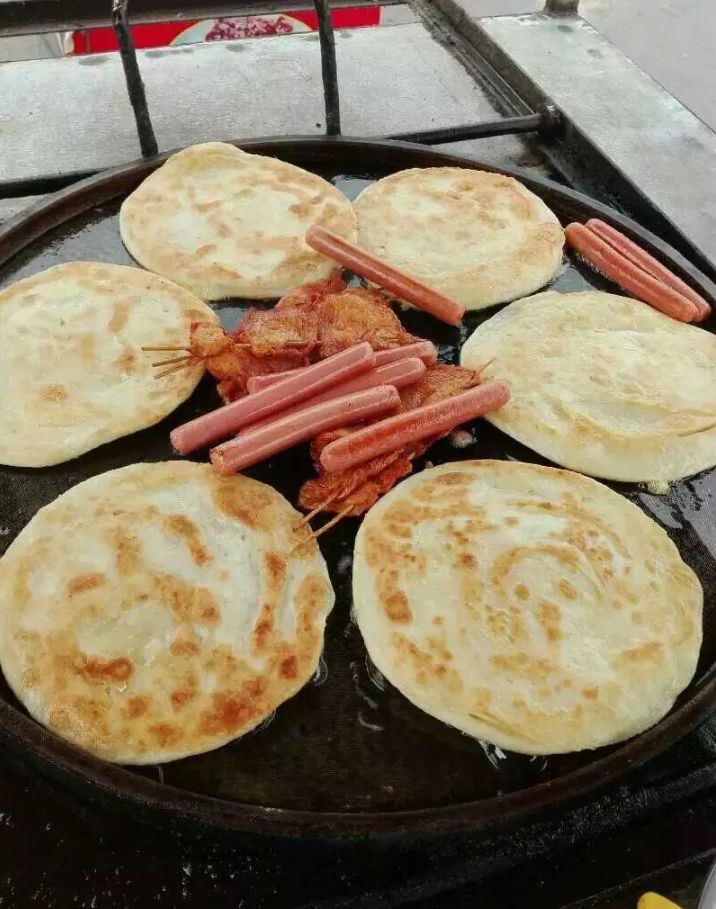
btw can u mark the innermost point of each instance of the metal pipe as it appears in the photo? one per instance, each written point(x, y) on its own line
point(561, 7)
point(329, 72)
point(133, 78)
point(542, 122)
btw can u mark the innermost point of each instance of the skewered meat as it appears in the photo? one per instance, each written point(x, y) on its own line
point(353, 492)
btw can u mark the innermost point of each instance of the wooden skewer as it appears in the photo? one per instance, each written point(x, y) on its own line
point(174, 360)
point(312, 514)
point(244, 344)
point(166, 347)
point(321, 530)
point(166, 372)
point(332, 523)
point(481, 369)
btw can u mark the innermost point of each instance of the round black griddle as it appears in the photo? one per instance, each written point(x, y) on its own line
point(348, 755)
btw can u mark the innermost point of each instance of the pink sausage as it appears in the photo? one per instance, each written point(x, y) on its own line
point(648, 263)
point(258, 383)
point(398, 374)
point(424, 350)
point(310, 381)
point(384, 275)
point(413, 426)
point(260, 442)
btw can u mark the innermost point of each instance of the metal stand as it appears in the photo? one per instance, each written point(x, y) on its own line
point(329, 70)
point(561, 7)
point(135, 86)
point(541, 122)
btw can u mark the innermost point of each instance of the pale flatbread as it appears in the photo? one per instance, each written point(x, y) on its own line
point(478, 237)
point(159, 611)
point(72, 375)
point(603, 384)
point(224, 223)
point(527, 606)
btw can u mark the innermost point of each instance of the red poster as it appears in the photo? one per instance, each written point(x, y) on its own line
point(171, 34)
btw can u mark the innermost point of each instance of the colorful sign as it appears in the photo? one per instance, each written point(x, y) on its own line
point(172, 34)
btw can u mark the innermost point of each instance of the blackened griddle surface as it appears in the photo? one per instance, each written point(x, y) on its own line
point(348, 744)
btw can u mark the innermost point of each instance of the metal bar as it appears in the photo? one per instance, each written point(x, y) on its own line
point(508, 126)
point(561, 7)
point(30, 17)
point(329, 72)
point(135, 86)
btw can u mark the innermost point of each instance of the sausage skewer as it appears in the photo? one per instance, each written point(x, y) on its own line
point(399, 374)
point(424, 422)
point(652, 266)
point(222, 422)
point(384, 275)
point(630, 275)
point(423, 350)
point(259, 442)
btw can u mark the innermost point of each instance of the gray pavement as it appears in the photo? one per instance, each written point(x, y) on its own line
point(672, 40)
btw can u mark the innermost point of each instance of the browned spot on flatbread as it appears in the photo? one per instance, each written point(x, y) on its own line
point(549, 618)
point(396, 607)
point(165, 734)
point(289, 668)
point(182, 526)
point(120, 312)
point(309, 601)
point(183, 646)
point(126, 551)
point(207, 206)
point(230, 712)
point(137, 706)
point(302, 209)
point(84, 582)
point(522, 664)
point(54, 393)
point(188, 603)
point(126, 361)
point(569, 591)
point(87, 348)
point(248, 502)
point(644, 653)
point(95, 669)
point(264, 626)
point(423, 663)
point(181, 696)
point(275, 571)
point(453, 479)
point(506, 561)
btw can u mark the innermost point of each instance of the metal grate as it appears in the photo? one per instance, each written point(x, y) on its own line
point(541, 121)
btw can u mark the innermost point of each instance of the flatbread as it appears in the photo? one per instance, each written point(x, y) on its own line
point(72, 375)
point(603, 384)
point(224, 223)
point(527, 606)
point(158, 611)
point(480, 238)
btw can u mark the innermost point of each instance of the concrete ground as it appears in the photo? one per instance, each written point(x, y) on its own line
point(673, 40)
